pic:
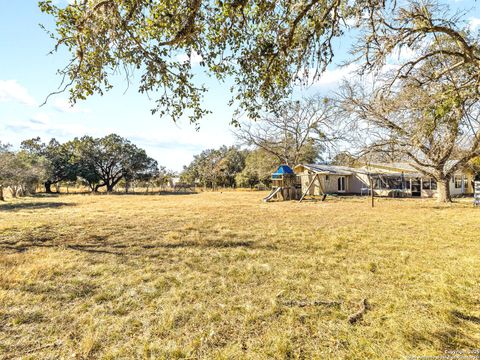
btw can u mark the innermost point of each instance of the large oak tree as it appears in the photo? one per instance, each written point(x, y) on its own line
point(103, 162)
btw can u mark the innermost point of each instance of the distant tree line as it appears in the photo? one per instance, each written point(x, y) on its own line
point(297, 132)
point(98, 163)
point(243, 167)
point(230, 167)
point(19, 171)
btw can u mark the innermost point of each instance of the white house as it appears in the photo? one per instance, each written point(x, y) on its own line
point(388, 179)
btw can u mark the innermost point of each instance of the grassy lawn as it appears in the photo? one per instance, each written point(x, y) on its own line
point(225, 276)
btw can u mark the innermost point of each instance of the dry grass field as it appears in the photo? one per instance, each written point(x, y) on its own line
point(225, 276)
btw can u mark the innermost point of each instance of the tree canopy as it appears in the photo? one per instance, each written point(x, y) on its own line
point(20, 171)
point(215, 167)
point(259, 166)
point(265, 46)
point(98, 162)
point(103, 162)
point(59, 160)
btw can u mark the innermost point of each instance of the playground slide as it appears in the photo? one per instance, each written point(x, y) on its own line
point(272, 194)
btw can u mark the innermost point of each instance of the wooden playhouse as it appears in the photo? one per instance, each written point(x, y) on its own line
point(284, 185)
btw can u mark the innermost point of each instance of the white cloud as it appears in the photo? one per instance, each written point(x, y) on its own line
point(332, 79)
point(351, 22)
point(64, 106)
point(195, 59)
point(12, 91)
point(173, 145)
point(40, 124)
point(474, 23)
point(186, 138)
point(40, 118)
point(403, 54)
point(334, 76)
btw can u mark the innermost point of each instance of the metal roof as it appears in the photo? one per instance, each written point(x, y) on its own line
point(405, 166)
point(329, 169)
point(395, 169)
point(283, 169)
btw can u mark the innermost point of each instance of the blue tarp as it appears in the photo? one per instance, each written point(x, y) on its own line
point(283, 169)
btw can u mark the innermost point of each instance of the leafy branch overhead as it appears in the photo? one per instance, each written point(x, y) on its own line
point(265, 46)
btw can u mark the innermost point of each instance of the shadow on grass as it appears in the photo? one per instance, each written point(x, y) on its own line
point(459, 315)
point(138, 193)
point(161, 193)
point(455, 334)
point(210, 244)
point(111, 248)
point(454, 339)
point(17, 206)
point(45, 195)
point(96, 249)
point(120, 249)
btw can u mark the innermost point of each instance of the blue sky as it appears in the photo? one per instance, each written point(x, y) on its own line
point(28, 75)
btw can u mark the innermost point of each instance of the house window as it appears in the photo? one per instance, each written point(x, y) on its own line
point(458, 180)
point(327, 177)
point(341, 184)
point(380, 183)
point(394, 183)
point(387, 182)
point(426, 184)
point(429, 184)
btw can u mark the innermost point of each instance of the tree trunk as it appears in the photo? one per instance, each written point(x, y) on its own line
point(110, 188)
point(48, 187)
point(2, 198)
point(372, 194)
point(443, 189)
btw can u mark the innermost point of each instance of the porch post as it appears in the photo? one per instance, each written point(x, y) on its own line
point(308, 188)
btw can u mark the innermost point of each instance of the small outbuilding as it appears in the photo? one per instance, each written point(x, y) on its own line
point(284, 185)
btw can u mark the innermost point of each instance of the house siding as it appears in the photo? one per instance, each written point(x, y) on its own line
point(357, 183)
point(359, 180)
point(329, 186)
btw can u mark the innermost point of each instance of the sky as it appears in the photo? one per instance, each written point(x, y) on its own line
point(28, 75)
